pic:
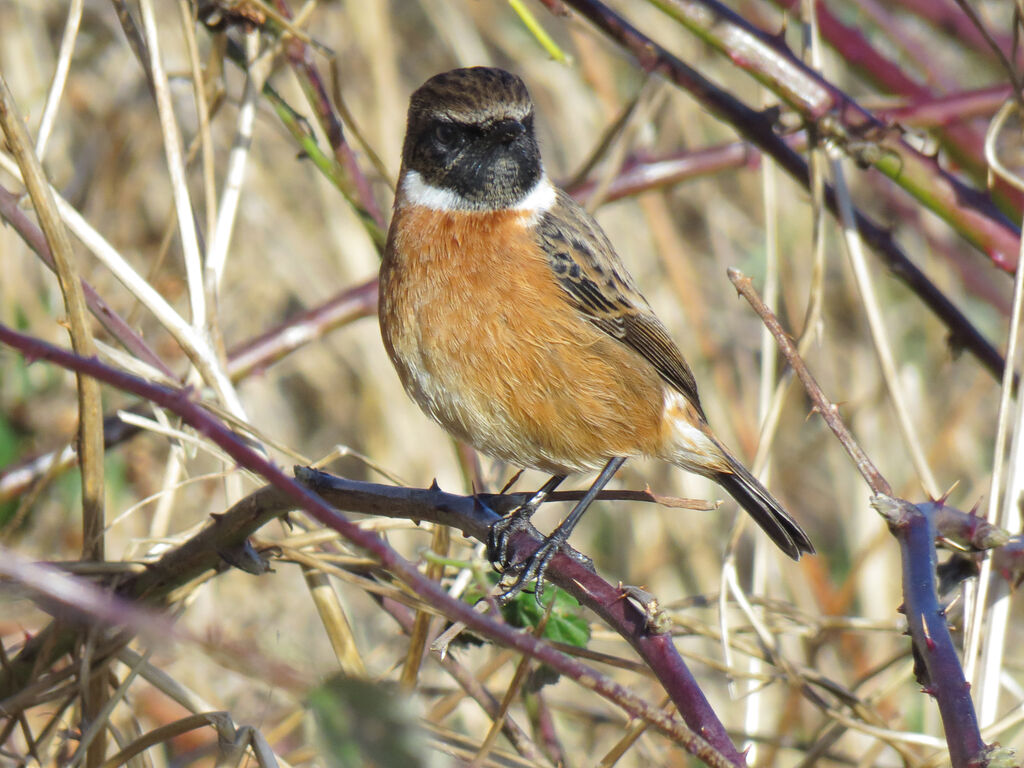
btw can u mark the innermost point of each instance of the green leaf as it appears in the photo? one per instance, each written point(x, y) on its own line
point(565, 625)
point(9, 447)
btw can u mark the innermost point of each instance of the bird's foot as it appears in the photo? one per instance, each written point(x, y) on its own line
point(502, 531)
point(533, 567)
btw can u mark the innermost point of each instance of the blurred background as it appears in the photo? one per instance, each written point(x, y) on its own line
point(297, 244)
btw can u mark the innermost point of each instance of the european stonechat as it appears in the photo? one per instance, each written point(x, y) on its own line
point(513, 323)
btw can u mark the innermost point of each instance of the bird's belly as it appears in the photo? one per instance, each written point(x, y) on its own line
point(485, 342)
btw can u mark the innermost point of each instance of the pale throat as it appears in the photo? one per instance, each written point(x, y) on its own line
point(537, 200)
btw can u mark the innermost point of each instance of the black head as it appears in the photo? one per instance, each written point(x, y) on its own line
point(470, 134)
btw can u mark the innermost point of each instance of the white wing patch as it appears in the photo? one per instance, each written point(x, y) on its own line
point(688, 445)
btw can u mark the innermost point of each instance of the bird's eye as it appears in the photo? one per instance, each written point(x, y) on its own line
point(447, 135)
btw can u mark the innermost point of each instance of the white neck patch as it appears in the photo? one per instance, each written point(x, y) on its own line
point(418, 192)
point(539, 199)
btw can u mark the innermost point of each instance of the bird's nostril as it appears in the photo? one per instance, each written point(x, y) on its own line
point(508, 130)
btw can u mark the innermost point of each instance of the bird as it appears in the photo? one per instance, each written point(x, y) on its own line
point(513, 323)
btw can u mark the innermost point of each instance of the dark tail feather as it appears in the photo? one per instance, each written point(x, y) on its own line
point(766, 511)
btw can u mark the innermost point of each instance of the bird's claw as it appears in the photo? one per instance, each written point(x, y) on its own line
point(501, 533)
point(530, 569)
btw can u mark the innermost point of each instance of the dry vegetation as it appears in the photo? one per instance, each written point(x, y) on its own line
point(838, 686)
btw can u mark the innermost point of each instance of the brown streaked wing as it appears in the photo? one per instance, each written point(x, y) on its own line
point(597, 284)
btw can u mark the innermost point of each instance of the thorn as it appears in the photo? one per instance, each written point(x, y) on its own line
point(772, 113)
point(942, 499)
point(434, 486)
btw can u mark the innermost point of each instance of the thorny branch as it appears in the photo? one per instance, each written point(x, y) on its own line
point(712, 746)
point(758, 128)
point(914, 528)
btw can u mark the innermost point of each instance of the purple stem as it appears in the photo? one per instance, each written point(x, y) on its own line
point(113, 322)
point(300, 57)
point(914, 528)
point(840, 117)
point(643, 173)
point(587, 587)
point(351, 304)
point(246, 359)
point(948, 109)
point(1008, 561)
point(722, 754)
point(758, 128)
point(946, 16)
point(963, 141)
point(469, 683)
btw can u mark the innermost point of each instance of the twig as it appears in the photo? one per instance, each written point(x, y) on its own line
point(356, 183)
point(186, 9)
point(843, 121)
point(60, 75)
point(256, 73)
point(962, 142)
point(828, 411)
point(945, 16)
point(758, 128)
point(192, 342)
point(164, 733)
point(176, 169)
point(90, 407)
point(335, 621)
point(440, 541)
point(135, 39)
point(259, 353)
point(713, 746)
point(116, 325)
point(1008, 68)
point(640, 174)
point(248, 358)
point(914, 528)
point(1005, 509)
point(73, 598)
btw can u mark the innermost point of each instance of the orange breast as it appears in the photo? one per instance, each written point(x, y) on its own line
point(485, 342)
